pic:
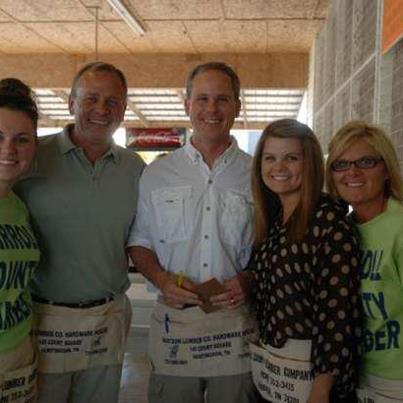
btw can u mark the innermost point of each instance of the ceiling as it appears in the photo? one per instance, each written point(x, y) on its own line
point(79, 30)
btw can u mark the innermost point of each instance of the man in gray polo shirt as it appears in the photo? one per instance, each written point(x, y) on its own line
point(82, 196)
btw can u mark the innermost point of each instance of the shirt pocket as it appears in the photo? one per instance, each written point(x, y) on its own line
point(170, 206)
point(235, 217)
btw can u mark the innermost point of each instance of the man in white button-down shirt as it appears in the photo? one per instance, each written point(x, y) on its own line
point(194, 225)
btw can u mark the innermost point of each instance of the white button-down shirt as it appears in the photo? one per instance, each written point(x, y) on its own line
point(197, 220)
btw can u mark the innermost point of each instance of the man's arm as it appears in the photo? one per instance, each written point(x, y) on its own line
point(174, 294)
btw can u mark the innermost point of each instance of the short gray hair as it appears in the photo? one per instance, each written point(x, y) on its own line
point(98, 66)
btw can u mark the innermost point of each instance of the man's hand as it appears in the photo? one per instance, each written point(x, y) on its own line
point(177, 291)
point(177, 296)
point(237, 288)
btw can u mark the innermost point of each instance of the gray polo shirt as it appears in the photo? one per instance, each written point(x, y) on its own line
point(81, 214)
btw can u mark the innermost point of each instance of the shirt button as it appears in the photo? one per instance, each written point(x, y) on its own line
point(208, 208)
point(205, 265)
point(206, 237)
point(210, 181)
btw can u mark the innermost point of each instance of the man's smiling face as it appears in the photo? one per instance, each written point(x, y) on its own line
point(212, 107)
point(98, 106)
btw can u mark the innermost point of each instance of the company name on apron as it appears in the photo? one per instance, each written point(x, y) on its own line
point(19, 386)
point(281, 379)
point(283, 384)
point(69, 341)
point(201, 350)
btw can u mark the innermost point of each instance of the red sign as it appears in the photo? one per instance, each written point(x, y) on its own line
point(392, 23)
point(155, 139)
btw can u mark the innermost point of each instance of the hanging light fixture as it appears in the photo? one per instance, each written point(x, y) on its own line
point(95, 9)
point(127, 16)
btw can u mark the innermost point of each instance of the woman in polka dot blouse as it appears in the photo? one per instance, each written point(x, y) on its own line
point(305, 265)
point(363, 169)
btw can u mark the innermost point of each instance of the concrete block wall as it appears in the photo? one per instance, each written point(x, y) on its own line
point(347, 67)
point(365, 16)
point(396, 109)
point(342, 110)
point(344, 42)
point(352, 79)
point(363, 93)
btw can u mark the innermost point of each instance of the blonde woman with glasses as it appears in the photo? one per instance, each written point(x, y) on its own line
point(362, 169)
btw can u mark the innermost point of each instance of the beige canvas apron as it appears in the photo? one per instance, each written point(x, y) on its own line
point(18, 384)
point(190, 342)
point(76, 339)
point(378, 390)
point(283, 374)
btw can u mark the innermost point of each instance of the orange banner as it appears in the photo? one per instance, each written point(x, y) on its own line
point(392, 23)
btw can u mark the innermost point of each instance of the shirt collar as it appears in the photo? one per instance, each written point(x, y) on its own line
point(226, 157)
point(66, 145)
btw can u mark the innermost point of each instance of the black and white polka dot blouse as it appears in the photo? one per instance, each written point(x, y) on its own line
point(309, 290)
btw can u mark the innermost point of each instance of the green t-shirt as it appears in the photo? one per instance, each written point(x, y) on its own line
point(19, 256)
point(382, 293)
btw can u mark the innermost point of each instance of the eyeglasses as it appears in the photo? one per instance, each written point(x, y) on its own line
point(362, 163)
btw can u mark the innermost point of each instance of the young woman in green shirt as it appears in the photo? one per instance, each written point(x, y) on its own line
point(19, 254)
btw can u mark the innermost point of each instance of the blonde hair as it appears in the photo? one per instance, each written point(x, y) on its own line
point(267, 202)
point(382, 145)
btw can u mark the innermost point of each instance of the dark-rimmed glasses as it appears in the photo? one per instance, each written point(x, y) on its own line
point(361, 163)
